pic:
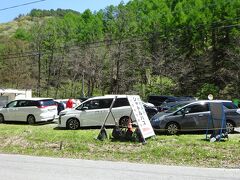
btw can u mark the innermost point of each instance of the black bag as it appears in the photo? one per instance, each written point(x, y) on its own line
point(102, 135)
point(117, 133)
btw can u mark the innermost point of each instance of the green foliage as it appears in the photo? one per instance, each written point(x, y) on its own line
point(183, 44)
point(229, 91)
point(157, 85)
point(160, 85)
point(55, 13)
point(22, 34)
point(207, 89)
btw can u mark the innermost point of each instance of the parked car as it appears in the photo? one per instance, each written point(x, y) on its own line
point(157, 100)
point(93, 111)
point(29, 110)
point(150, 109)
point(166, 106)
point(193, 116)
point(161, 100)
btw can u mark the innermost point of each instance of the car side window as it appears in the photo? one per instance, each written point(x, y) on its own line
point(121, 102)
point(197, 108)
point(92, 104)
point(31, 103)
point(180, 112)
point(105, 103)
point(229, 105)
point(96, 104)
point(22, 103)
point(12, 104)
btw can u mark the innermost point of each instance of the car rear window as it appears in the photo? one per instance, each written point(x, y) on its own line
point(230, 105)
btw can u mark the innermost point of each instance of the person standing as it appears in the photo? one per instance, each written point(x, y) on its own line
point(69, 103)
point(60, 107)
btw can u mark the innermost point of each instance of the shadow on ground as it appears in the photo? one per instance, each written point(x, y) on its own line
point(25, 123)
point(84, 128)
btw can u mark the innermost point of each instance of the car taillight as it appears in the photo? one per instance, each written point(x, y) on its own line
point(41, 106)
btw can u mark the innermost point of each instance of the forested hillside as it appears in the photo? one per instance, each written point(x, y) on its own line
point(178, 47)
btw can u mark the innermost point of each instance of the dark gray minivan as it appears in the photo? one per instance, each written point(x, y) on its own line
point(194, 117)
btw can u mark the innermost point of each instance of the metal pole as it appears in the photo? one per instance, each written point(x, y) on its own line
point(39, 74)
point(105, 120)
point(83, 84)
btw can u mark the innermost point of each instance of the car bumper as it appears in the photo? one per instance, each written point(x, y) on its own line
point(61, 122)
point(43, 117)
point(158, 125)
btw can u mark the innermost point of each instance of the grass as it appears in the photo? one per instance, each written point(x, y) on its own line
point(190, 150)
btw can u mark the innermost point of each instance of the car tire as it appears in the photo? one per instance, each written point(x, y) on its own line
point(73, 124)
point(230, 127)
point(1, 118)
point(172, 128)
point(31, 119)
point(123, 121)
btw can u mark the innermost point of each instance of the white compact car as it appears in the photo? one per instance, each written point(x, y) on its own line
point(29, 110)
point(93, 112)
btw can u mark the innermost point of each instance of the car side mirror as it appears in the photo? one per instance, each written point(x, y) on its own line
point(183, 112)
point(84, 108)
point(186, 112)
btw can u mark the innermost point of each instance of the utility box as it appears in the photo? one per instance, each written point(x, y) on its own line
point(7, 95)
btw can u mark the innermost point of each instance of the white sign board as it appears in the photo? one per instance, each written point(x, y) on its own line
point(141, 116)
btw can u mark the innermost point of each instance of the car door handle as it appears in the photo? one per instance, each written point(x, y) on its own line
point(200, 115)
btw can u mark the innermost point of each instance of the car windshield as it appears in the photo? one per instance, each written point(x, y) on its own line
point(176, 107)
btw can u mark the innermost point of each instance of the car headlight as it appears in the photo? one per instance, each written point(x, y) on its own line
point(154, 119)
point(238, 111)
point(62, 113)
point(157, 118)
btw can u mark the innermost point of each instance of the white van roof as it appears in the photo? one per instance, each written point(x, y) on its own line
point(35, 99)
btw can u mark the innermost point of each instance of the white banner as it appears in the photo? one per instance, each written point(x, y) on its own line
point(141, 116)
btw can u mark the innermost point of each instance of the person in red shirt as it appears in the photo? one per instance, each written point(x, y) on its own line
point(69, 103)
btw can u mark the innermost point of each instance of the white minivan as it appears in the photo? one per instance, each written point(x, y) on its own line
point(29, 110)
point(93, 111)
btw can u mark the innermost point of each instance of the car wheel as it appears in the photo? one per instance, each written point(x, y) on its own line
point(31, 119)
point(172, 128)
point(1, 118)
point(73, 124)
point(230, 127)
point(123, 122)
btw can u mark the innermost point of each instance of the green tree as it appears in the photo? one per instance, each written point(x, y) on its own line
point(207, 89)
